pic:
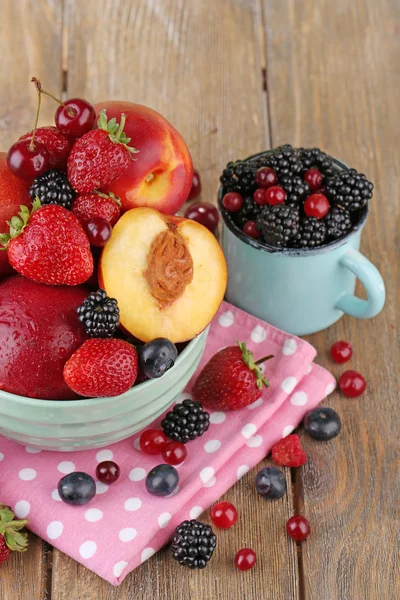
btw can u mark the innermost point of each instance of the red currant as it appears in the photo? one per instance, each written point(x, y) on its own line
point(203, 213)
point(316, 205)
point(152, 441)
point(196, 186)
point(28, 159)
point(352, 384)
point(75, 117)
point(232, 201)
point(298, 528)
point(107, 471)
point(259, 197)
point(266, 177)
point(341, 352)
point(174, 453)
point(98, 231)
point(224, 515)
point(250, 229)
point(314, 178)
point(275, 195)
point(245, 559)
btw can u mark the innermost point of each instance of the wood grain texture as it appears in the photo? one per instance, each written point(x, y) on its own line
point(333, 80)
point(184, 59)
point(24, 576)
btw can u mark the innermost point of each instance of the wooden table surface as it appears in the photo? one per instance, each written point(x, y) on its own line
point(262, 73)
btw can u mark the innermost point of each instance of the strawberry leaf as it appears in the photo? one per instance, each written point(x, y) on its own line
point(248, 359)
point(115, 130)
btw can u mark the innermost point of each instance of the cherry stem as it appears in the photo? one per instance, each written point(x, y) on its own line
point(71, 111)
point(39, 92)
point(261, 360)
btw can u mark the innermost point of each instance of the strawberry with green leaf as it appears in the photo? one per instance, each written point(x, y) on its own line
point(100, 156)
point(11, 538)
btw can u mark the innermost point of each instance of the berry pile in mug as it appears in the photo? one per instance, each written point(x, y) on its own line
point(294, 197)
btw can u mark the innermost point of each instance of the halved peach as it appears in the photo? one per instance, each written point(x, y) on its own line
point(168, 275)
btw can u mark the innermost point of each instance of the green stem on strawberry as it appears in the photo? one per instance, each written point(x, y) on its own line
point(248, 359)
point(116, 199)
point(115, 130)
point(10, 530)
point(18, 223)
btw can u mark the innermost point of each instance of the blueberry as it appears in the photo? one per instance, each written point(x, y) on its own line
point(271, 483)
point(162, 480)
point(77, 488)
point(322, 424)
point(156, 357)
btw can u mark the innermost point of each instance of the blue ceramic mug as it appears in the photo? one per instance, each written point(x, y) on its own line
point(300, 291)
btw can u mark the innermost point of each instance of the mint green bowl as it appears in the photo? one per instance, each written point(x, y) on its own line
point(85, 424)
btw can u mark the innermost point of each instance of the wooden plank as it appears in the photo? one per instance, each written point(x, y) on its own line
point(198, 63)
point(24, 575)
point(333, 79)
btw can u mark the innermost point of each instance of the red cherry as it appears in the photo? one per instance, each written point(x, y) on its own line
point(352, 384)
point(275, 195)
point(174, 453)
point(203, 213)
point(107, 471)
point(224, 515)
point(232, 201)
point(266, 177)
point(152, 441)
point(259, 197)
point(298, 528)
point(316, 205)
point(75, 117)
point(250, 229)
point(98, 231)
point(245, 559)
point(28, 159)
point(314, 178)
point(341, 352)
point(196, 186)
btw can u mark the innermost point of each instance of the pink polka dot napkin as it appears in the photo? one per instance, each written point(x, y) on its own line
point(124, 525)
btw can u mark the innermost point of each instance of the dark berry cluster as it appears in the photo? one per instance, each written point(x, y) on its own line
point(193, 544)
point(99, 314)
point(186, 421)
point(53, 187)
point(294, 198)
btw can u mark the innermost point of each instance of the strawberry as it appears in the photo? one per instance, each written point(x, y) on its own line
point(57, 143)
point(288, 452)
point(99, 156)
point(48, 245)
point(11, 540)
point(97, 204)
point(231, 379)
point(102, 367)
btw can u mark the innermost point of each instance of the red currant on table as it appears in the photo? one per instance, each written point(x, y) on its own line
point(28, 159)
point(266, 177)
point(275, 195)
point(224, 515)
point(352, 384)
point(259, 197)
point(316, 205)
point(107, 471)
point(245, 559)
point(196, 186)
point(98, 231)
point(250, 229)
point(152, 441)
point(174, 453)
point(341, 352)
point(203, 213)
point(232, 201)
point(298, 528)
point(314, 178)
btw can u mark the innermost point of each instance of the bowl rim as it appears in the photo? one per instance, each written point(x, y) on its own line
point(88, 402)
point(293, 252)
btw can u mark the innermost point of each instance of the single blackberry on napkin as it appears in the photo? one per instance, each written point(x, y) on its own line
point(193, 544)
point(186, 421)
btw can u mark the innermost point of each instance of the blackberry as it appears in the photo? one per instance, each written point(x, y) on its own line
point(186, 421)
point(239, 177)
point(284, 160)
point(311, 233)
point(53, 187)
point(193, 544)
point(338, 222)
point(248, 212)
point(295, 187)
point(350, 190)
point(314, 157)
point(99, 314)
point(278, 224)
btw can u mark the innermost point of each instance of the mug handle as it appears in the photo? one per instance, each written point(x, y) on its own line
point(372, 281)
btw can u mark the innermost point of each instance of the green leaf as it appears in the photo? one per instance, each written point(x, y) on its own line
point(16, 222)
point(14, 233)
point(35, 205)
point(6, 515)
